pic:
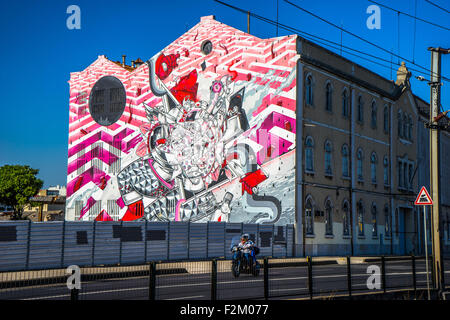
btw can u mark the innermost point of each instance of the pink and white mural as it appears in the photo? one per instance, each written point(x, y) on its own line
point(203, 131)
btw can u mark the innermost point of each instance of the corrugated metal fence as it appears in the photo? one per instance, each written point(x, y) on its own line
point(28, 245)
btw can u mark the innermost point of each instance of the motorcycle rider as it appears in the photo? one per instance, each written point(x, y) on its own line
point(247, 246)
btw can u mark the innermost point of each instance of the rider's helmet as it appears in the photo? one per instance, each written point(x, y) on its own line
point(244, 236)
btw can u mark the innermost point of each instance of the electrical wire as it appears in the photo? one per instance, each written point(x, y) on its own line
point(437, 6)
point(315, 38)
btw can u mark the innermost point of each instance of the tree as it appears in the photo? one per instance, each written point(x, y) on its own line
point(17, 184)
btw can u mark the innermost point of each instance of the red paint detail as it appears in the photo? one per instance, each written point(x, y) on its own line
point(234, 73)
point(288, 126)
point(251, 180)
point(249, 76)
point(220, 219)
point(102, 183)
point(78, 184)
point(160, 141)
point(83, 131)
point(186, 88)
point(139, 91)
point(224, 164)
point(103, 216)
point(186, 52)
point(134, 212)
point(225, 48)
point(271, 50)
point(170, 62)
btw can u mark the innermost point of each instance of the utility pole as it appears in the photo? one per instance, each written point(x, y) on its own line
point(435, 104)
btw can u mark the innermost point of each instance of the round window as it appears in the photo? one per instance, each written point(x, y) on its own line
point(206, 47)
point(107, 100)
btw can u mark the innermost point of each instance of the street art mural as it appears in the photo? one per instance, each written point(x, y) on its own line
point(203, 131)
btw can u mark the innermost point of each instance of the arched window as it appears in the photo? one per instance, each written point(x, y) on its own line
point(405, 126)
point(329, 97)
point(386, 119)
point(328, 218)
point(345, 161)
point(387, 222)
point(373, 121)
point(309, 216)
point(359, 164)
point(410, 128)
point(399, 124)
point(346, 218)
point(345, 103)
point(373, 167)
point(386, 171)
point(309, 154)
point(309, 90)
point(374, 221)
point(328, 159)
point(360, 212)
point(360, 110)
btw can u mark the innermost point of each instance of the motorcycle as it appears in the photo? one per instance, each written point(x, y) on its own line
point(239, 263)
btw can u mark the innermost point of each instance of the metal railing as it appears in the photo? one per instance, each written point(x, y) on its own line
point(308, 278)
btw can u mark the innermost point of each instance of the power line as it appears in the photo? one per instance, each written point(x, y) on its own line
point(406, 14)
point(313, 37)
point(434, 4)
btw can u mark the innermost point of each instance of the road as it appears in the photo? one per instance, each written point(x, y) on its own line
point(284, 282)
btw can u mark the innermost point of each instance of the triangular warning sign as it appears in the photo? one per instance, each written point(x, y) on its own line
point(423, 198)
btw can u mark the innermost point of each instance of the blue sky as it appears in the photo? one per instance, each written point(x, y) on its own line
point(39, 52)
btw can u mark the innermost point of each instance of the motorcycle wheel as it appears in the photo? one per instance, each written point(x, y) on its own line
point(255, 269)
point(235, 269)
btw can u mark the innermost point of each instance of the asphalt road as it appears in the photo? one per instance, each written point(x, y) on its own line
point(284, 282)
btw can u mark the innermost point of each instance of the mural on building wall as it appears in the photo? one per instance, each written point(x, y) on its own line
point(204, 131)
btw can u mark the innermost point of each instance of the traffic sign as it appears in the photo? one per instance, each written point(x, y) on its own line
point(423, 198)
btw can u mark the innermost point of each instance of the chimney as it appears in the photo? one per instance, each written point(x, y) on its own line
point(132, 63)
point(123, 60)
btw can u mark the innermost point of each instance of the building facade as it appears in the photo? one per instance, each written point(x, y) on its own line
point(208, 131)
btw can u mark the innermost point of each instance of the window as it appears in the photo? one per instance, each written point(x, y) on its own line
point(360, 110)
point(374, 221)
point(399, 124)
point(346, 219)
point(373, 121)
point(345, 161)
point(410, 128)
point(309, 154)
point(373, 167)
point(329, 97)
point(410, 175)
point(360, 212)
point(359, 165)
point(386, 119)
point(345, 103)
point(386, 171)
point(405, 126)
point(328, 168)
point(309, 218)
point(400, 175)
point(78, 208)
point(328, 218)
point(387, 222)
point(309, 90)
point(396, 223)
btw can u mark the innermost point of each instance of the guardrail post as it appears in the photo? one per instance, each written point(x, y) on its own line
point(349, 277)
point(413, 263)
point(266, 278)
point(383, 273)
point(152, 281)
point(310, 277)
point(214, 280)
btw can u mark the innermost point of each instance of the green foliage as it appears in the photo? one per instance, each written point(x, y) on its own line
point(17, 184)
